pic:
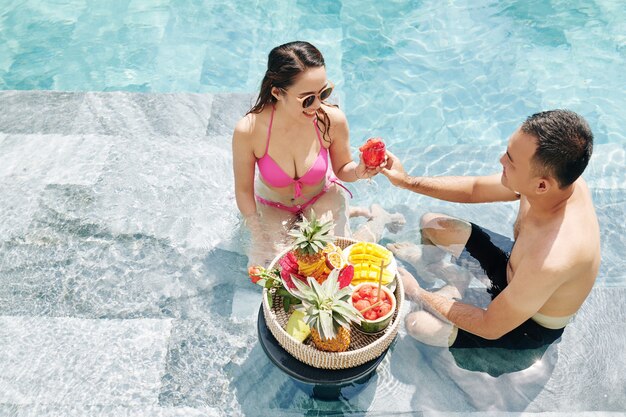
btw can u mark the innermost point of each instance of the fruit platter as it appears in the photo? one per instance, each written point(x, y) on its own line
point(367, 257)
point(338, 300)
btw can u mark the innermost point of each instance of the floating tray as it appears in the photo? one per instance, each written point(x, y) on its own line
point(363, 347)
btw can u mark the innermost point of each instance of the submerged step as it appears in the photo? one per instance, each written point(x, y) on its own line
point(79, 410)
point(48, 360)
point(114, 113)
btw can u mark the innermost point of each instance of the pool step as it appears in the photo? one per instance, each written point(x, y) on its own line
point(109, 307)
point(71, 361)
point(109, 114)
point(100, 367)
point(212, 116)
point(99, 410)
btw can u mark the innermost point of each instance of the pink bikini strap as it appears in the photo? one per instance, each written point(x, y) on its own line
point(333, 179)
point(298, 183)
point(317, 130)
point(297, 190)
point(291, 209)
point(269, 131)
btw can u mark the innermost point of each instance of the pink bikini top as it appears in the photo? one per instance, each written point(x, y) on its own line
point(274, 175)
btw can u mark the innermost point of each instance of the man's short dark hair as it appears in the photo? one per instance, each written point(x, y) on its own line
point(564, 144)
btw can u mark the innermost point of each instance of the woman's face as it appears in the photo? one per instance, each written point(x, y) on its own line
point(311, 82)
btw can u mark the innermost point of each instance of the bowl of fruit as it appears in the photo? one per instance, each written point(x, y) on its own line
point(369, 259)
point(376, 304)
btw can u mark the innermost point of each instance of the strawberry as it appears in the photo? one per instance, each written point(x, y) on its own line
point(373, 152)
point(255, 273)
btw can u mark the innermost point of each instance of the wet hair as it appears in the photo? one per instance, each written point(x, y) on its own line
point(564, 144)
point(284, 64)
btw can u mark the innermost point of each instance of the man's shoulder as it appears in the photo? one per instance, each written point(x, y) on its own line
point(567, 250)
point(573, 235)
point(579, 228)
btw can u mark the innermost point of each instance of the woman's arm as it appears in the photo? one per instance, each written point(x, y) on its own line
point(345, 168)
point(243, 167)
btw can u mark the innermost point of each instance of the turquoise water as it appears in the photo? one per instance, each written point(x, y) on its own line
point(122, 275)
point(411, 71)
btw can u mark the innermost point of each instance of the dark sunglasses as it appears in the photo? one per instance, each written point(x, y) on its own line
point(308, 101)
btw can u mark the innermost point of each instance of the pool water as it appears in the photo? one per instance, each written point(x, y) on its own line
point(122, 270)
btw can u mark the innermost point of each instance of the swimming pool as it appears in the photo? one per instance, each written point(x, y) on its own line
point(123, 288)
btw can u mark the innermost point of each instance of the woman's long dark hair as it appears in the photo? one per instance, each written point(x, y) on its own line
point(284, 63)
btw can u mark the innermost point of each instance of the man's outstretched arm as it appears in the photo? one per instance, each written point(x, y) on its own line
point(465, 189)
point(522, 298)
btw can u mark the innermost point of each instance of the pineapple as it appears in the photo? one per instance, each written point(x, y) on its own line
point(311, 238)
point(339, 343)
point(328, 311)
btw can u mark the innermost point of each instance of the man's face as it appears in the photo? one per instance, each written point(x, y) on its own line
point(517, 172)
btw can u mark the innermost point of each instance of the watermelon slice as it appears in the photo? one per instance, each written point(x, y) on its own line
point(288, 268)
point(345, 276)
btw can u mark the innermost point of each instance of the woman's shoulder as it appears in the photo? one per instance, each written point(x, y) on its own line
point(245, 125)
point(249, 125)
point(335, 114)
point(338, 122)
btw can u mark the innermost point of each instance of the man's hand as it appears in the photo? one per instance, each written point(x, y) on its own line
point(362, 171)
point(394, 170)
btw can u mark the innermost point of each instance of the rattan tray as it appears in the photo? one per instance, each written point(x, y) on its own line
point(363, 347)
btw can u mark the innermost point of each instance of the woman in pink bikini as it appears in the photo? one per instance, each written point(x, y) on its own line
point(301, 147)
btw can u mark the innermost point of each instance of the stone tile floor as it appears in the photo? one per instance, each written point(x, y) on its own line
point(123, 288)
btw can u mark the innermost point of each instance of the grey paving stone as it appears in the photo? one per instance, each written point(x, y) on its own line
point(38, 111)
point(74, 361)
point(169, 189)
point(227, 109)
point(18, 204)
point(65, 260)
point(136, 114)
point(53, 158)
point(97, 410)
point(200, 355)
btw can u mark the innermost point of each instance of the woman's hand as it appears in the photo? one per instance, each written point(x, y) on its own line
point(362, 171)
point(253, 222)
point(260, 235)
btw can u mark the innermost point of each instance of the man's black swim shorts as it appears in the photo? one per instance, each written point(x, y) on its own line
point(493, 260)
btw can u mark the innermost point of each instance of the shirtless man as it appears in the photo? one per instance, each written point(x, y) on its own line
point(555, 259)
